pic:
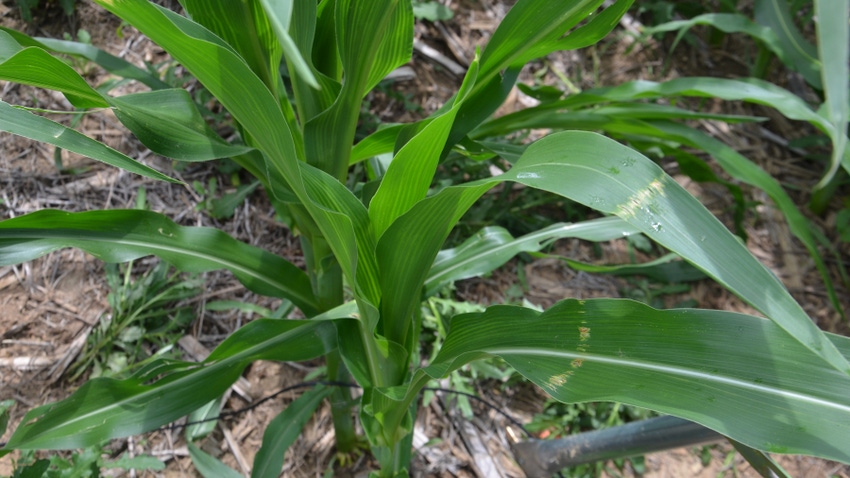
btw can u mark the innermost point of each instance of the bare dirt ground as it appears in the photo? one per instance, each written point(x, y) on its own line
point(49, 306)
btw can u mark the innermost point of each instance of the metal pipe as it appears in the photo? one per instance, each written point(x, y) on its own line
point(543, 458)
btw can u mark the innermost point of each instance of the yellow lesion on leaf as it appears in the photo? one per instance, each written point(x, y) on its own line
point(559, 380)
point(642, 199)
point(584, 334)
point(576, 363)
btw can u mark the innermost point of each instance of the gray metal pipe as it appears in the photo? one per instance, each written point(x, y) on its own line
point(543, 458)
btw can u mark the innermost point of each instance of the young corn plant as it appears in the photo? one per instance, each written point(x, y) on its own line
point(373, 252)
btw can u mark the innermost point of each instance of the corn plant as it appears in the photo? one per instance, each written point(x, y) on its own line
point(373, 252)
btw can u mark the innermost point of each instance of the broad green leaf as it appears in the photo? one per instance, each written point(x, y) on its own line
point(283, 430)
point(599, 25)
point(279, 13)
point(224, 74)
point(739, 375)
point(209, 466)
point(113, 64)
point(123, 235)
point(833, 38)
point(106, 408)
point(168, 122)
point(246, 28)
point(798, 53)
point(305, 33)
point(34, 66)
point(492, 247)
point(409, 175)
point(748, 89)
point(32, 126)
point(229, 79)
point(739, 167)
point(405, 268)
point(348, 230)
point(529, 24)
point(602, 174)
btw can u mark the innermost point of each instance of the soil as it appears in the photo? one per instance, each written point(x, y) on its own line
point(51, 305)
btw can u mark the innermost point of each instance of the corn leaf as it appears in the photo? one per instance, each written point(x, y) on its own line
point(579, 165)
point(113, 64)
point(279, 13)
point(209, 466)
point(106, 408)
point(229, 79)
point(409, 175)
point(685, 363)
point(283, 430)
point(798, 53)
point(373, 38)
point(529, 28)
point(123, 235)
point(34, 66)
point(23, 123)
point(246, 28)
point(492, 247)
point(167, 122)
point(833, 38)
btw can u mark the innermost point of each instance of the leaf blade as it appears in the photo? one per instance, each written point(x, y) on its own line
point(121, 235)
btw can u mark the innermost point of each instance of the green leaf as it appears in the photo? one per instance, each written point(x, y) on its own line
point(798, 53)
point(409, 175)
point(379, 142)
point(739, 167)
point(106, 408)
point(29, 125)
point(373, 38)
point(283, 430)
point(209, 466)
point(760, 461)
point(404, 268)
point(739, 375)
point(833, 38)
point(245, 27)
point(432, 11)
point(529, 27)
point(113, 64)
point(34, 66)
point(492, 247)
point(602, 174)
point(224, 74)
point(123, 235)
point(168, 122)
point(203, 420)
point(279, 13)
point(664, 269)
point(5, 405)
